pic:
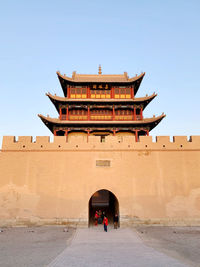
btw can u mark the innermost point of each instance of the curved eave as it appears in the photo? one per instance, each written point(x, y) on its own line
point(65, 80)
point(148, 122)
point(57, 100)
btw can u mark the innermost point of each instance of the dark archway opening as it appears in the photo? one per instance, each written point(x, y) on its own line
point(105, 201)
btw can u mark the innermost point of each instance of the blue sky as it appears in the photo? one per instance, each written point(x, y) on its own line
point(38, 38)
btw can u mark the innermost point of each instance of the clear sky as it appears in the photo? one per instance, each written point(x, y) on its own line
point(38, 38)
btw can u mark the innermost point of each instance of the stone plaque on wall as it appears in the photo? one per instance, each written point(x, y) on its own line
point(103, 163)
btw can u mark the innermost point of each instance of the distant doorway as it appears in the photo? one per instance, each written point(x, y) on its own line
point(105, 201)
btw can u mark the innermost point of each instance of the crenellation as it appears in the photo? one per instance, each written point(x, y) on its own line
point(7, 141)
point(60, 140)
point(25, 140)
point(113, 139)
point(77, 139)
point(95, 142)
point(163, 139)
point(42, 140)
point(94, 139)
point(195, 139)
point(180, 139)
point(146, 139)
point(129, 139)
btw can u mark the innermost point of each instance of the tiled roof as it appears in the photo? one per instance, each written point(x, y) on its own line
point(148, 122)
point(115, 78)
point(63, 122)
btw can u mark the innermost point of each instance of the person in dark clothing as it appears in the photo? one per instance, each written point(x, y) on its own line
point(100, 217)
point(116, 221)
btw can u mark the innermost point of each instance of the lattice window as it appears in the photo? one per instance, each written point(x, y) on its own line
point(100, 93)
point(78, 92)
point(122, 92)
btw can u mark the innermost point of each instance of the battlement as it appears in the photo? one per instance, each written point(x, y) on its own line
point(60, 143)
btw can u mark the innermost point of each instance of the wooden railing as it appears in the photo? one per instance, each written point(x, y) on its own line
point(100, 117)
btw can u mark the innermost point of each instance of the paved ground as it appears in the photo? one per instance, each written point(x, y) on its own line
point(182, 243)
point(156, 246)
point(32, 247)
point(122, 247)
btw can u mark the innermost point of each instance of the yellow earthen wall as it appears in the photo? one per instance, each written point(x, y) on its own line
point(154, 182)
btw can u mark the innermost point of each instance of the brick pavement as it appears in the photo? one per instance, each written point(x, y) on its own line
point(116, 248)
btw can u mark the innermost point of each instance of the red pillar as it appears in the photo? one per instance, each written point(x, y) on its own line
point(112, 92)
point(54, 132)
point(88, 92)
point(141, 115)
point(113, 113)
point(68, 91)
point(114, 132)
point(132, 92)
point(88, 115)
point(136, 135)
point(147, 131)
point(60, 113)
point(134, 114)
point(67, 113)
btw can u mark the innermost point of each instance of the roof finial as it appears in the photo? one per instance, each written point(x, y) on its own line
point(100, 72)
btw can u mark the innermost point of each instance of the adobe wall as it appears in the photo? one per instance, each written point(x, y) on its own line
point(154, 182)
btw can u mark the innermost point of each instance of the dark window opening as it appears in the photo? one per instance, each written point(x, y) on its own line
point(63, 111)
point(60, 133)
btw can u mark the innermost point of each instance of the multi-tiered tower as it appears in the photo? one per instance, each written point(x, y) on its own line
point(100, 105)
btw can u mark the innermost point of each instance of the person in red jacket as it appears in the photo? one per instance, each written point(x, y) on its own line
point(96, 216)
point(105, 223)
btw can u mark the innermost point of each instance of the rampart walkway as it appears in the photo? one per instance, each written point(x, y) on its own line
point(122, 247)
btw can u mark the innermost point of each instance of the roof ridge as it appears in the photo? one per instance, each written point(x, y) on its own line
point(121, 78)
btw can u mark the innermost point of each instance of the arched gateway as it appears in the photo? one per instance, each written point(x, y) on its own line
point(105, 201)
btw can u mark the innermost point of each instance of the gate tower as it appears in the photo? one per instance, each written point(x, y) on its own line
point(100, 105)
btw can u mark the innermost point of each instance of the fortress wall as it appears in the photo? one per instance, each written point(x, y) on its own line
point(155, 182)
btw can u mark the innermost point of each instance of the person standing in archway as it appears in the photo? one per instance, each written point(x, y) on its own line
point(96, 218)
point(105, 223)
point(116, 221)
point(100, 217)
